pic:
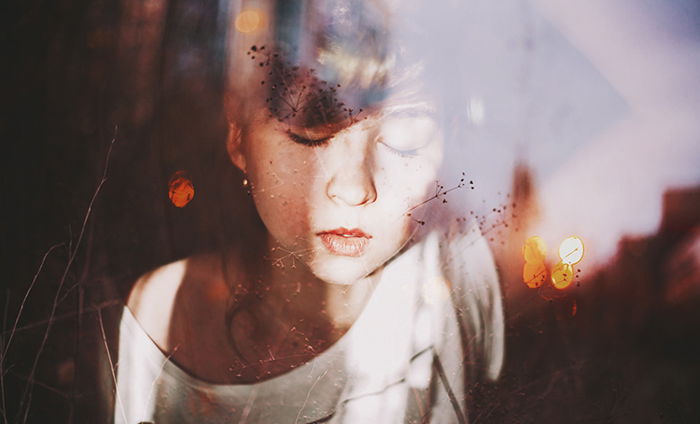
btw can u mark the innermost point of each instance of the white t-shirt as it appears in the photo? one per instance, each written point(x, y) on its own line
point(400, 362)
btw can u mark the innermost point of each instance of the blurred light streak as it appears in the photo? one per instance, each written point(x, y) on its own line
point(475, 111)
point(434, 291)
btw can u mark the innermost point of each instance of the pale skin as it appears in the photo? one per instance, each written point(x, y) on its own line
point(366, 174)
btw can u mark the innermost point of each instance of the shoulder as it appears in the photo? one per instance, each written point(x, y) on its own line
point(153, 295)
point(158, 283)
point(477, 296)
point(190, 283)
point(469, 269)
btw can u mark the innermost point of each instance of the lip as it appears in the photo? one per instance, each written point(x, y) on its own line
point(344, 242)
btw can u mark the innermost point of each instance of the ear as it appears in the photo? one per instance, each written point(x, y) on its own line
point(234, 146)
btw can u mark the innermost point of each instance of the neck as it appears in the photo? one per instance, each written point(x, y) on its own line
point(297, 315)
point(296, 293)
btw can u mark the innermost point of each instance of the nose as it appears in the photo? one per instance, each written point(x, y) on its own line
point(352, 180)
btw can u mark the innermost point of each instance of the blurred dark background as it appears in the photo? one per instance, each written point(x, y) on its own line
point(130, 90)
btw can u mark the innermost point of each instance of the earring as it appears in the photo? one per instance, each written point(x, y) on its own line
point(246, 184)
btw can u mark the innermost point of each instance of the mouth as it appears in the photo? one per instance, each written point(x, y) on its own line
point(344, 242)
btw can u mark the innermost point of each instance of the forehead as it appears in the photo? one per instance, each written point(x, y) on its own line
point(328, 62)
point(296, 94)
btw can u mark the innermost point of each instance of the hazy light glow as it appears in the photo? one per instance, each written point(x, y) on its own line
point(562, 275)
point(535, 271)
point(434, 291)
point(475, 111)
point(535, 249)
point(249, 21)
point(571, 250)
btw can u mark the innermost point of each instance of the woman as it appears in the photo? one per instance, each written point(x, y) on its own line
point(349, 301)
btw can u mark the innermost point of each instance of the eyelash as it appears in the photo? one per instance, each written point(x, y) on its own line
point(399, 153)
point(322, 141)
point(307, 141)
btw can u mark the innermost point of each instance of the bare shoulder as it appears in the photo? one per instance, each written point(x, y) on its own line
point(153, 295)
point(157, 294)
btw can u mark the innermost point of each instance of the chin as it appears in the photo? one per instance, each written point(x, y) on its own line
point(341, 270)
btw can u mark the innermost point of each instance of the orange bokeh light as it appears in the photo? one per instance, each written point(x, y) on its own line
point(249, 20)
point(535, 271)
point(180, 189)
point(562, 275)
point(534, 275)
point(535, 249)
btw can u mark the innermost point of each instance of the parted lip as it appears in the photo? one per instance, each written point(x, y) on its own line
point(344, 242)
point(344, 232)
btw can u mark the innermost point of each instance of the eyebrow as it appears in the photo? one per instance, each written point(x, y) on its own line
point(297, 96)
point(310, 106)
point(407, 110)
point(316, 106)
point(404, 110)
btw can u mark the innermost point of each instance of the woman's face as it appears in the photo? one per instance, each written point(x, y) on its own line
point(339, 197)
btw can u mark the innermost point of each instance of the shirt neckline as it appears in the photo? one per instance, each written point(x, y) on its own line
point(171, 368)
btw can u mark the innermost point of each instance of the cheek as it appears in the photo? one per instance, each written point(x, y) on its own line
point(405, 183)
point(281, 176)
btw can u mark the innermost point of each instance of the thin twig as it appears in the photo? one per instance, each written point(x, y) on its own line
point(437, 364)
point(308, 394)
point(160, 372)
point(111, 366)
point(41, 384)
point(27, 395)
point(2, 360)
point(439, 191)
point(24, 300)
point(66, 315)
point(6, 347)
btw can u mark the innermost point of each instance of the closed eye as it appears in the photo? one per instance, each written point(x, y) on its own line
point(311, 142)
point(398, 152)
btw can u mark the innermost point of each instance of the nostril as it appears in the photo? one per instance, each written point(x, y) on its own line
point(352, 178)
point(352, 190)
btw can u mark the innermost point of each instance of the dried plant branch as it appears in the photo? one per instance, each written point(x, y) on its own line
point(111, 365)
point(26, 399)
point(65, 316)
point(24, 300)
